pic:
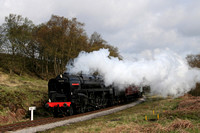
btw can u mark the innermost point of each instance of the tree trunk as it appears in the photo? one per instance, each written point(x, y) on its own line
point(55, 66)
point(47, 69)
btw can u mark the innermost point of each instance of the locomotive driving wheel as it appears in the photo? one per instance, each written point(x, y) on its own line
point(83, 109)
point(83, 105)
point(55, 112)
point(99, 102)
point(71, 111)
point(104, 100)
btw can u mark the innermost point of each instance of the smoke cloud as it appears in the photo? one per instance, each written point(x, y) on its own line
point(163, 70)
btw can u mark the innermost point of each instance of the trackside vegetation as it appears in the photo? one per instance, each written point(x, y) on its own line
point(176, 116)
point(45, 49)
point(17, 93)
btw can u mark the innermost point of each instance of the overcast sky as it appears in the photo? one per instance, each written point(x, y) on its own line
point(131, 25)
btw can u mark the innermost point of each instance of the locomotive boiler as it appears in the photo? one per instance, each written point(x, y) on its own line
point(70, 94)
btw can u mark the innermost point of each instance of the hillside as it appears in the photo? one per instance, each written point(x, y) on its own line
point(17, 93)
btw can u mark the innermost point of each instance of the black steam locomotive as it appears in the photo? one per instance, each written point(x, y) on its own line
point(70, 94)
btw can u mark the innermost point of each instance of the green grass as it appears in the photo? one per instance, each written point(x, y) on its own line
point(18, 93)
point(133, 120)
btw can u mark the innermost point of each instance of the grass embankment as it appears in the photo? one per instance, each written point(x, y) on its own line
point(175, 115)
point(17, 93)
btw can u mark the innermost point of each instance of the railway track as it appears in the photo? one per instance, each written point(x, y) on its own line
point(21, 125)
point(55, 122)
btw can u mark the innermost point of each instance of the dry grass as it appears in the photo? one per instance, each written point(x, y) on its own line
point(17, 94)
point(179, 124)
point(190, 103)
point(131, 128)
point(4, 80)
point(188, 108)
point(7, 80)
point(180, 116)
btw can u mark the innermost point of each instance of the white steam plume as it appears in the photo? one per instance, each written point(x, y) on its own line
point(166, 72)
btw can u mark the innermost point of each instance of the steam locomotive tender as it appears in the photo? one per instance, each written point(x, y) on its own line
point(69, 94)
